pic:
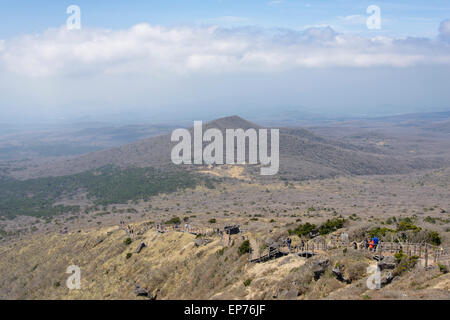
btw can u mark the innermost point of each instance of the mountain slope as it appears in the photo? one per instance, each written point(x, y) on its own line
point(303, 155)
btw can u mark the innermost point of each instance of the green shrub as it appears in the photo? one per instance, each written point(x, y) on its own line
point(379, 232)
point(174, 220)
point(405, 263)
point(303, 229)
point(331, 225)
point(247, 282)
point(244, 247)
point(129, 254)
point(406, 225)
point(443, 268)
point(434, 238)
point(430, 220)
point(212, 220)
point(127, 241)
point(400, 256)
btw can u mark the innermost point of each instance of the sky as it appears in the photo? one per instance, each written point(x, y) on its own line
point(168, 59)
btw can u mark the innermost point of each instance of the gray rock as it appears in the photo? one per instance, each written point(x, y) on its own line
point(140, 247)
point(386, 265)
point(201, 242)
point(339, 275)
point(387, 279)
point(319, 267)
point(140, 292)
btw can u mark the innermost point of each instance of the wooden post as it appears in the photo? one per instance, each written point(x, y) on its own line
point(420, 250)
point(426, 255)
point(313, 247)
point(380, 247)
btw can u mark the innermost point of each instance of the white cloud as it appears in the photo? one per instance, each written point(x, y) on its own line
point(444, 30)
point(147, 49)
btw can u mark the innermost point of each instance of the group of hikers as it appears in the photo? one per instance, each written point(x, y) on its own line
point(371, 244)
point(368, 244)
point(128, 229)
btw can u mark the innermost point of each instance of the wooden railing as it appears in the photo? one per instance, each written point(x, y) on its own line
point(430, 254)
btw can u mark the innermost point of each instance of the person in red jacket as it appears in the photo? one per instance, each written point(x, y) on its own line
point(371, 245)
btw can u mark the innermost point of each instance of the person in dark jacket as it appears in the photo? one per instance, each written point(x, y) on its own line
point(366, 244)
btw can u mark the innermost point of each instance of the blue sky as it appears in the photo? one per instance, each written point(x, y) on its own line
point(402, 18)
point(222, 57)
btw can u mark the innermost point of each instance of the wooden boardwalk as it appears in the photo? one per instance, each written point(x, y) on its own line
point(428, 254)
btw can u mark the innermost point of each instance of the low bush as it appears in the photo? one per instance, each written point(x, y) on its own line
point(174, 220)
point(434, 238)
point(331, 225)
point(244, 247)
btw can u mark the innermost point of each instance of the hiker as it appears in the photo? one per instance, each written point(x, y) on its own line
point(355, 245)
point(288, 241)
point(366, 244)
point(375, 243)
point(302, 245)
point(371, 245)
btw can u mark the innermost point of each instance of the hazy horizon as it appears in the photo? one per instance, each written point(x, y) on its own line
point(162, 64)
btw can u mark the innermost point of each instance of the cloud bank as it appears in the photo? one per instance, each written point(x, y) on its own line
point(157, 71)
point(146, 49)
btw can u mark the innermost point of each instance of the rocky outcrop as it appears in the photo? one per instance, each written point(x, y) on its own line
point(387, 262)
point(337, 271)
point(140, 292)
point(201, 242)
point(319, 267)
